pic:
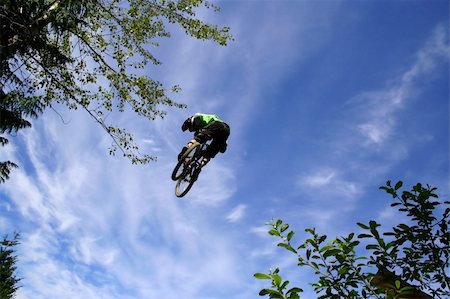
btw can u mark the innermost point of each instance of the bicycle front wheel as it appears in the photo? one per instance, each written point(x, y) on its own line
point(184, 184)
point(185, 160)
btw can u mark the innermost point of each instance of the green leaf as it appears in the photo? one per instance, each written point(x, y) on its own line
point(398, 185)
point(284, 285)
point(315, 266)
point(322, 238)
point(372, 246)
point(271, 293)
point(274, 232)
point(284, 227)
point(389, 234)
point(343, 270)
point(276, 279)
point(331, 252)
point(403, 226)
point(290, 235)
point(325, 248)
point(354, 244)
point(373, 224)
point(362, 236)
point(294, 290)
point(287, 246)
point(308, 254)
point(350, 237)
point(310, 230)
point(278, 223)
point(362, 225)
point(391, 244)
point(261, 276)
point(294, 296)
point(375, 233)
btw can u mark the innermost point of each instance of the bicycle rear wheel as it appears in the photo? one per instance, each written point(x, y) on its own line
point(185, 159)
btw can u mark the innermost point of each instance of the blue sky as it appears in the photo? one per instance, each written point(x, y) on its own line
point(326, 101)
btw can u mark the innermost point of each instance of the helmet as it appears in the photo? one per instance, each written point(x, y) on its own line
point(189, 123)
point(186, 124)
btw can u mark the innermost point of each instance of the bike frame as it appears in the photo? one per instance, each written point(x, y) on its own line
point(190, 165)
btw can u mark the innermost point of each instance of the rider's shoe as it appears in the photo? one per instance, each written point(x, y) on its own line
point(183, 150)
point(204, 161)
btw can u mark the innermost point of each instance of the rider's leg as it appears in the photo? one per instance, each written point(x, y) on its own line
point(219, 133)
point(184, 149)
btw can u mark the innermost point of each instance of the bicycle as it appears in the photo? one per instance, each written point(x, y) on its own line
point(188, 168)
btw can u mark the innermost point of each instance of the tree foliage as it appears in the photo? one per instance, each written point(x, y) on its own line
point(12, 112)
point(408, 262)
point(8, 279)
point(90, 55)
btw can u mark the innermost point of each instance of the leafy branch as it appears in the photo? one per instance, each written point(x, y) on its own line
point(418, 252)
point(91, 53)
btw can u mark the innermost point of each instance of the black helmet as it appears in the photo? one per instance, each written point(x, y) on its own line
point(189, 123)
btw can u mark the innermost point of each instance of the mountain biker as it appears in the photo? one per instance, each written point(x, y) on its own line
point(206, 127)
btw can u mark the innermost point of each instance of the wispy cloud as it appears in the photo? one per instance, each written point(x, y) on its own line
point(325, 187)
point(84, 210)
point(94, 226)
point(318, 180)
point(237, 213)
point(328, 181)
point(381, 106)
point(371, 121)
point(363, 149)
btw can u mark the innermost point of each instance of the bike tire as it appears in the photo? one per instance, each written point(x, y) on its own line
point(184, 184)
point(190, 153)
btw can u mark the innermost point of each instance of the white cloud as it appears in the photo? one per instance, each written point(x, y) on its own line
point(370, 128)
point(326, 195)
point(216, 184)
point(380, 107)
point(318, 180)
point(237, 213)
point(328, 181)
point(259, 230)
point(93, 224)
point(436, 47)
point(96, 227)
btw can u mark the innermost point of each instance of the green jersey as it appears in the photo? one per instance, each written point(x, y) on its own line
point(207, 127)
point(199, 121)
